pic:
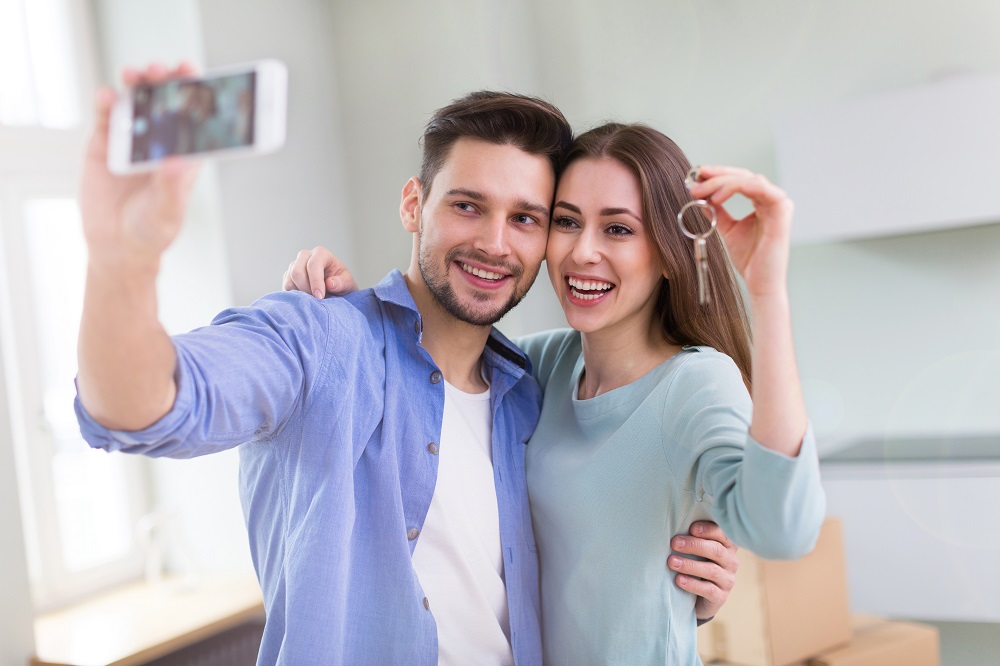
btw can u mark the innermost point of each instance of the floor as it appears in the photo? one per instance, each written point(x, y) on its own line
point(969, 643)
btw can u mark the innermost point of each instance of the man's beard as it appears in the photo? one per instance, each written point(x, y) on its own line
point(437, 282)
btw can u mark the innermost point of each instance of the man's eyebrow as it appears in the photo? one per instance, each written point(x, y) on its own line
point(522, 204)
point(470, 194)
point(526, 205)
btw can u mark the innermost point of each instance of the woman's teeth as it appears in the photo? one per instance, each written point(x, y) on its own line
point(585, 289)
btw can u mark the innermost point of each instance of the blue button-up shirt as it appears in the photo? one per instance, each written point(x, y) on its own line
point(334, 404)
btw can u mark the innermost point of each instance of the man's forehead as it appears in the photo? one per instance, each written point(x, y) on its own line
point(496, 171)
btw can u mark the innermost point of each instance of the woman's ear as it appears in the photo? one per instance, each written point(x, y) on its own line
point(409, 205)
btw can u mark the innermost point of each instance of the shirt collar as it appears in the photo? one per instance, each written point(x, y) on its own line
point(499, 351)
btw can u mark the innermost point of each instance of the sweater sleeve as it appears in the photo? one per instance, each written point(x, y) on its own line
point(765, 501)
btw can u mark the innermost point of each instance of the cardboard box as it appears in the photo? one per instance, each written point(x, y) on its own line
point(783, 612)
point(879, 644)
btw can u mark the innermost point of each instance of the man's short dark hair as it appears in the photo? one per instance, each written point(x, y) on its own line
point(528, 123)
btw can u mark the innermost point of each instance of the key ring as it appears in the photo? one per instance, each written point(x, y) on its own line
point(700, 203)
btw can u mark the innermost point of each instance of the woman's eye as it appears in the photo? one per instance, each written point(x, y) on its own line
point(564, 222)
point(619, 230)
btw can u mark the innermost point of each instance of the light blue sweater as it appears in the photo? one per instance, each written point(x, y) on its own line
point(612, 478)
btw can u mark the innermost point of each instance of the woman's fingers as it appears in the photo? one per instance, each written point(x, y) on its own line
point(772, 207)
point(721, 187)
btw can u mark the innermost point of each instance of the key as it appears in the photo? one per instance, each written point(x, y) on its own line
point(701, 259)
point(700, 245)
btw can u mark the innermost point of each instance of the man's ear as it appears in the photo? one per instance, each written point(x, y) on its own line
point(409, 205)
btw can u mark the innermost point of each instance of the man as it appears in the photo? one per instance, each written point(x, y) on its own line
point(367, 548)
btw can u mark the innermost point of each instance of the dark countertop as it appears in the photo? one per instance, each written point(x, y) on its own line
point(961, 449)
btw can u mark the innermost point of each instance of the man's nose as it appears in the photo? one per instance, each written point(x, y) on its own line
point(494, 236)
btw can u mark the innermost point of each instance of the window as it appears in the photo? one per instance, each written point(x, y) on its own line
point(37, 83)
point(80, 506)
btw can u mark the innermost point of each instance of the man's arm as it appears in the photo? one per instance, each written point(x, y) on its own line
point(126, 359)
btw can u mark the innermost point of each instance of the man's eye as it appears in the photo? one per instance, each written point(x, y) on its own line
point(465, 206)
point(524, 219)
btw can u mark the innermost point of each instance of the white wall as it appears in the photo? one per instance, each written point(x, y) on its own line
point(280, 204)
point(888, 330)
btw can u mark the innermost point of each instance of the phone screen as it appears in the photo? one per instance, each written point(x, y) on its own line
point(192, 116)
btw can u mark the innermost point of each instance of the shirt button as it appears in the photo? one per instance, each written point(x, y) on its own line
point(413, 533)
point(433, 448)
point(416, 327)
point(427, 604)
point(435, 377)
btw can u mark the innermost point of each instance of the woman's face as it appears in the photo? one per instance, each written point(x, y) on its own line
point(601, 259)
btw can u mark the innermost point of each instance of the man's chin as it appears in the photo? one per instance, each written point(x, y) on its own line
point(480, 311)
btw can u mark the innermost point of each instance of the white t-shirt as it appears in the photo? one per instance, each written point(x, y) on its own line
point(458, 557)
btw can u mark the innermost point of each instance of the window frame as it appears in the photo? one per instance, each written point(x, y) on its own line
point(46, 163)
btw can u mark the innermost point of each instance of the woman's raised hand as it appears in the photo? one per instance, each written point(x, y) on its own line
point(758, 244)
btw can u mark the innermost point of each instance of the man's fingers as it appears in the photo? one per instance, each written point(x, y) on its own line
point(173, 181)
point(709, 571)
point(185, 69)
point(704, 529)
point(104, 99)
point(700, 588)
point(707, 548)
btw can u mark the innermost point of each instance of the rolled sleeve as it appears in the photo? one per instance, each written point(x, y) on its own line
point(237, 380)
point(785, 495)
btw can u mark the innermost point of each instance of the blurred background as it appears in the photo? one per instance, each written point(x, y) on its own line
point(897, 314)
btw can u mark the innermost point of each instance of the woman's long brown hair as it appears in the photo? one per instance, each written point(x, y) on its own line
point(660, 166)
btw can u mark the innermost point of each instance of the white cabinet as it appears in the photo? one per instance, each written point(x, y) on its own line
point(922, 536)
point(912, 160)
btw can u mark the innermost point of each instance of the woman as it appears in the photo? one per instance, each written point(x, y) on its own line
point(647, 423)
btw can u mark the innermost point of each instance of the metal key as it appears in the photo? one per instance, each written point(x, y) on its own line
point(700, 245)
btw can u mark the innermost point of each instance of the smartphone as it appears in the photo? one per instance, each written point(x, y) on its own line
point(229, 112)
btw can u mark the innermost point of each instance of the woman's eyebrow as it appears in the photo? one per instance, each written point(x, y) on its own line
point(619, 211)
point(605, 212)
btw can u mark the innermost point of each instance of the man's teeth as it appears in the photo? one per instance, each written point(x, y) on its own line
point(480, 273)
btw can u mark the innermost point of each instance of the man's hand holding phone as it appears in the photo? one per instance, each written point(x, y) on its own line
point(132, 218)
